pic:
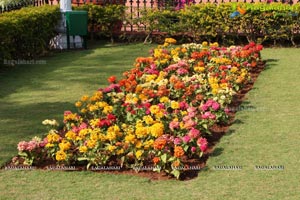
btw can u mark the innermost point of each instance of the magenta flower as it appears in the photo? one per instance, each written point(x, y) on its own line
point(183, 105)
point(186, 139)
point(215, 105)
point(204, 107)
point(202, 143)
point(193, 149)
point(194, 133)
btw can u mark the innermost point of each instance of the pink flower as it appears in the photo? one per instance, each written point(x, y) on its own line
point(31, 145)
point(182, 71)
point(183, 105)
point(186, 139)
point(212, 116)
point(191, 114)
point(191, 109)
point(206, 115)
point(83, 126)
point(227, 110)
point(202, 143)
point(204, 107)
point(215, 105)
point(173, 125)
point(209, 102)
point(186, 118)
point(177, 141)
point(189, 124)
point(193, 149)
point(67, 112)
point(43, 143)
point(22, 146)
point(194, 133)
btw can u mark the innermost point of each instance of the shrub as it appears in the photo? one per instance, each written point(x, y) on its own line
point(105, 19)
point(26, 33)
point(260, 22)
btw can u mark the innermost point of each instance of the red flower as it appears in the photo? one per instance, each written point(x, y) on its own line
point(112, 79)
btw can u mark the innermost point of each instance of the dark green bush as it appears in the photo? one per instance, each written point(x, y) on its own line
point(104, 19)
point(262, 22)
point(26, 33)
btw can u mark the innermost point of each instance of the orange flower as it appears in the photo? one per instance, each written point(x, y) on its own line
point(179, 85)
point(159, 143)
point(178, 151)
point(156, 160)
point(112, 79)
point(176, 163)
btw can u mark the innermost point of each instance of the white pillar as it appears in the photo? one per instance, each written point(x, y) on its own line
point(65, 5)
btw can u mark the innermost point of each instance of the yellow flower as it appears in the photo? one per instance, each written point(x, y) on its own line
point(93, 108)
point(141, 132)
point(53, 137)
point(102, 137)
point(148, 144)
point(130, 138)
point(175, 105)
point(64, 145)
point(111, 148)
point(148, 120)
point(154, 109)
point(199, 69)
point(157, 129)
point(49, 145)
point(78, 104)
point(85, 98)
point(95, 134)
point(83, 110)
point(204, 44)
point(91, 143)
point(83, 133)
point(233, 69)
point(143, 97)
point(170, 40)
point(83, 149)
point(70, 135)
point(138, 144)
point(138, 154)
point(120, 151)
point(60, 155)
point(97, 96)
point(164, 99)
point(107, 109)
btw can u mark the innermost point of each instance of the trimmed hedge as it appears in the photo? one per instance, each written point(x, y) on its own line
point(261, 22)
point(104, 19)
point(26, 33)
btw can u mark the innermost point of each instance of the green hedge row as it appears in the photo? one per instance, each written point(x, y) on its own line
point(104, 20)
point(26, 33)
point(261, 21)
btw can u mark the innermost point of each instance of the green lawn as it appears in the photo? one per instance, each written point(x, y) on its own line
point(268, 133)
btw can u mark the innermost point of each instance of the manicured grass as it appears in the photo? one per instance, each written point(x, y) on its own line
point(267, 133)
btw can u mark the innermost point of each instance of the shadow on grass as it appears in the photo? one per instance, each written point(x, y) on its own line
point(270, 63)
point(23, 122)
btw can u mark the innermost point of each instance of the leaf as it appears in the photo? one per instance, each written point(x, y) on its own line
point(164, 158)
point(176, 173)
point(82, 158)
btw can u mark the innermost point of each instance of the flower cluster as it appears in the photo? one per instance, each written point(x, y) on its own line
point(159, 113)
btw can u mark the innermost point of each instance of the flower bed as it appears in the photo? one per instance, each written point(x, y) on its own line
point(159, 116)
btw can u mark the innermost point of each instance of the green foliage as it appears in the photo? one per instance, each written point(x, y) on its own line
point(10, 3)
point(105, 19)
point(261, 22)
point(26, 33)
